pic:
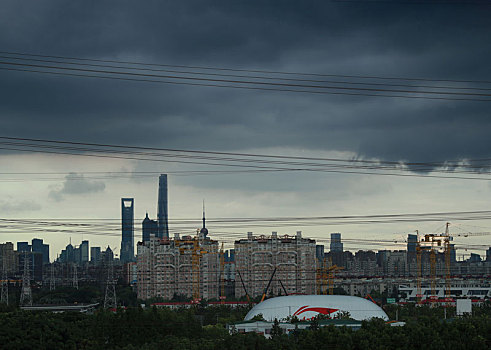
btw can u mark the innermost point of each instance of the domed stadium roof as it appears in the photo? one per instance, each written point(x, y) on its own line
point(309, 306)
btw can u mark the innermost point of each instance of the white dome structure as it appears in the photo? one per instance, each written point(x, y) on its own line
point(309, 306)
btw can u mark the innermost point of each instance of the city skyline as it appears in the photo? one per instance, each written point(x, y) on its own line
point(379, 121)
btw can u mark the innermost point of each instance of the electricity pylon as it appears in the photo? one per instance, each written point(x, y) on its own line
point(52, 283)
point(26, 294)
point(5, 283)
point(110, 296)
point(75, 277)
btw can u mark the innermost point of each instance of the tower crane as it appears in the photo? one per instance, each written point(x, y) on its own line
point(222, 279)
point(332, 269)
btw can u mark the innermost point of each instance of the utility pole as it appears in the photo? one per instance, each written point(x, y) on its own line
point(26, 294)
point(110, 296)
point(75, 276)
point(52, 283)
point(5, 282)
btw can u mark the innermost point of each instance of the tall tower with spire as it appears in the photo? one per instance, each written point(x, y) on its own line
point(204, 231)
point(162, 208)
point(127, 230)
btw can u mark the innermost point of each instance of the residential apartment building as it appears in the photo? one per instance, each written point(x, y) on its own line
point(188, 267)
point(293, 259)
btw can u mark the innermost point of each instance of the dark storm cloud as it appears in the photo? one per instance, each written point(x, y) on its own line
point(76, 184)
point(434, 41)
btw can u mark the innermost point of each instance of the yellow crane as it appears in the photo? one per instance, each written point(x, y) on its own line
point(196, 254)
point(332, 269)
point(321, 276)
point(447, 247)
point(419, 293)
point(222, 279)
point(436, 242)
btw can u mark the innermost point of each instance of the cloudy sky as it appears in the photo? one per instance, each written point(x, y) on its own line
point(441, 43)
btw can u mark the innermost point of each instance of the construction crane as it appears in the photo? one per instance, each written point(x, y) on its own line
point(419, 293)
point(222, 279)
point(332, 269)
point(196, 254)
point(267, 287)
point(321, 276)
point(282, 286)
point(436, 242)
point(243, 286)
point(446, 242)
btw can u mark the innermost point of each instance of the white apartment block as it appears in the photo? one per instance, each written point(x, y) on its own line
point(257, 257)
point(168, 267)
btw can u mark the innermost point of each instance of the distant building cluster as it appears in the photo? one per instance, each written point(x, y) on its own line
point(198, 268)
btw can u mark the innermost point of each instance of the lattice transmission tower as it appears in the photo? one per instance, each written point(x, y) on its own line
point(75, 277)
point(26, 293)
point(5, 283)
point(52, 281)
point(110, 296)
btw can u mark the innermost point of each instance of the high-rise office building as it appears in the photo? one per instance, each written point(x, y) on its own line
point(84, 252)
point(23, 247)
point(67, 254)
point(162, 208)
point(336, 245)
point(150, 228)
point(319, 252)
point(412, 242)
point(95, 255)
point(39, 247)
point(107, 255)
point(127, 230)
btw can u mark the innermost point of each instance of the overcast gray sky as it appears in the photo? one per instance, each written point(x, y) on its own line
point(439, 41)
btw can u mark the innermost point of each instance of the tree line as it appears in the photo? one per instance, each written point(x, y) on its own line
point(204, 328)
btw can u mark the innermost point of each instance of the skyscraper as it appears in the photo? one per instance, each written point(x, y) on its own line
point(412, 242)
point(23, 247)
point(39, 247)
point(95, 255)
point(336, 245)
point(150, 228)
point(162, 208)
point(84, 252)
point(127, 231)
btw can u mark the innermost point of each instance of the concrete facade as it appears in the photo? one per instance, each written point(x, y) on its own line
point(165, 268)
point(293, 257)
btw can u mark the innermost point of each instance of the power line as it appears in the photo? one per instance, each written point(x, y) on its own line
point(239, 160)
point(239, 154)
point(267, 78)
point(247, 70)
point(247, 84)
